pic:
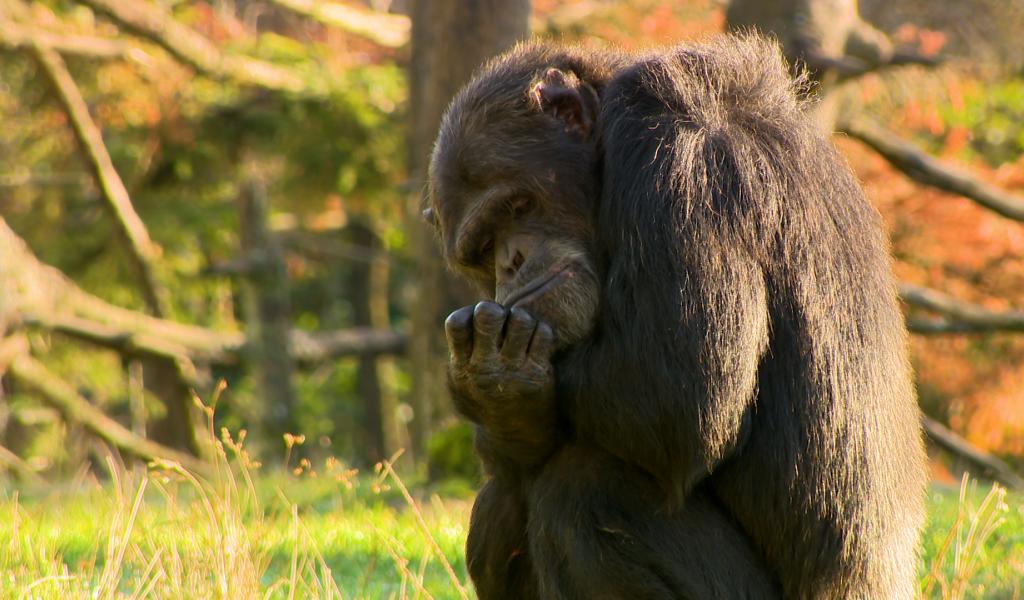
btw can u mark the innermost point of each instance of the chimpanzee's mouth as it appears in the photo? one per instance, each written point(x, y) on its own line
point(537, 287)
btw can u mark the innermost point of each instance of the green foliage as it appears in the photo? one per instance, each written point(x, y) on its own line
point(450, 453)
point(994, 115)
point(331, 409)
point(182, 143)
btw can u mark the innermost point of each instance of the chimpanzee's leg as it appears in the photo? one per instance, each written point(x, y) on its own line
point(497, 552)
point(600, 528)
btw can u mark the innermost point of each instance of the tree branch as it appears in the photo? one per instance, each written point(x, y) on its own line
point(391, 31)
point(989, 464)
point(327, 245)
point(43, 296)
point(156, 25)
point(141, 249)
point(18, 37)
point(125, 342)
point(927, 169)
point(74, 407)
point(852, 67)
point(961, 317)
point(166, 339)
point(12, 462)
point(313, 348)
point(911, 57)
point(138, 335)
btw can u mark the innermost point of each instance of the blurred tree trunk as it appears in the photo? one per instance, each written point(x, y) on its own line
point(176, 428)
point(395, 435)
point(450, 38)
point(268, 316)
point(828, 36)
point(368, 290)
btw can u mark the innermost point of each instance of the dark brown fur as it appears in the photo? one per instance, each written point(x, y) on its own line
point(714, 398)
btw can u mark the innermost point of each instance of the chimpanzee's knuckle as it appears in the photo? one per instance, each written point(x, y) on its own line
point(543, 340)
point(459, 321)
point(520, 318)
point(488, 314)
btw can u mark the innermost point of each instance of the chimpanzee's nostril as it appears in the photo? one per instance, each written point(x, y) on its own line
point(518, 260)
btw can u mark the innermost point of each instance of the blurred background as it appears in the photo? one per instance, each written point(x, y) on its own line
point(196, 191)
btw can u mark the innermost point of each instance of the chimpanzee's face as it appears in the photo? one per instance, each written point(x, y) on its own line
point(512, 192)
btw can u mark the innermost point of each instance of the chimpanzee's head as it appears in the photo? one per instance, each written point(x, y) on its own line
point(513, 184)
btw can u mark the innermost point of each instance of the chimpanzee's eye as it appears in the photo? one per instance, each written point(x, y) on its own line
point(483, 253)
point(520, 205)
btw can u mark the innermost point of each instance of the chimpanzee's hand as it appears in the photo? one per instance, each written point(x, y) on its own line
point(501, 378)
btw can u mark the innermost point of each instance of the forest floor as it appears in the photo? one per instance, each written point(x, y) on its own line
point(336, 534)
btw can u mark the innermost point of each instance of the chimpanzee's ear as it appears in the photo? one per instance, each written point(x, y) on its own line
point(565, 97)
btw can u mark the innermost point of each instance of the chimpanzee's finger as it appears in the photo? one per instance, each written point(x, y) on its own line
point(543, 343)
point(518, 330)
point(458, 328)
point(488, 321)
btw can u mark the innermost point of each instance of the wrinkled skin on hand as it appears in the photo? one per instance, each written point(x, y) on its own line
point(502, 379)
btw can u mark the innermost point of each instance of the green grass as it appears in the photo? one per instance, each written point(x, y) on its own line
point(332, 535)
point(340, 535)
point(973, 543)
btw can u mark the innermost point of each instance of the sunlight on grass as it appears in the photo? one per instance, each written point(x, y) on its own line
point(325, 531)
point(966, 551)
point(166, 532)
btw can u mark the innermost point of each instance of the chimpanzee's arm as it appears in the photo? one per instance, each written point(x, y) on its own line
point(669, 379)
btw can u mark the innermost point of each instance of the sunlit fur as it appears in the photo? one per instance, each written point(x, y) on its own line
point(747, 365)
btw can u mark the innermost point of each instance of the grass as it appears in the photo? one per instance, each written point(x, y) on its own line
point(323, 531)
point(340, 536)
point(974, 544)
point(168, 535)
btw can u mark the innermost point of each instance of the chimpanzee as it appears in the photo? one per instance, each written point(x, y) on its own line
point(690, 376)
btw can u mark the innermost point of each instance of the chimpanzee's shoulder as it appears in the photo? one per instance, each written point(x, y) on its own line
point(707, 83)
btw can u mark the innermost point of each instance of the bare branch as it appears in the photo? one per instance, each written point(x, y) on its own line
point(924, 326)
point(927, 169)
point(43, 296)
point(911, 57)
point(391, 31)
point(327, 245)
point(75, 408)
point(852, 67)
point(156, 25)
point(142, 251)
point(12, 462)
point(159, 338)
point(359, 341)
point(961, 317)
point(19, 37)
point(989, 464)
point(125, 341)
point(140, 335)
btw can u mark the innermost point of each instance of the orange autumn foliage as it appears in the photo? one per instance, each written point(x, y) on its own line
point(953, 245)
